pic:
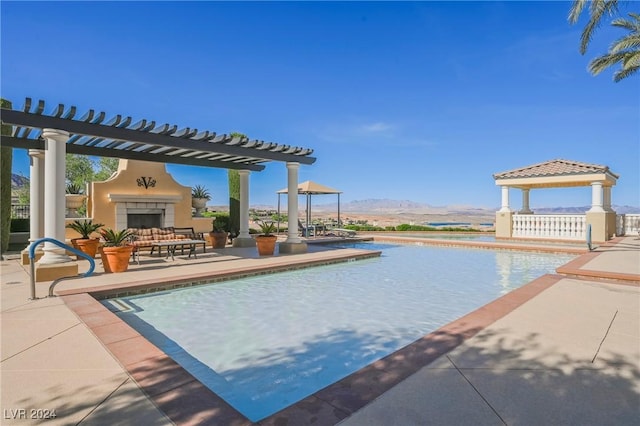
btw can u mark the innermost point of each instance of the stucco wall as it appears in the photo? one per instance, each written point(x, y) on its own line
point(130, 181)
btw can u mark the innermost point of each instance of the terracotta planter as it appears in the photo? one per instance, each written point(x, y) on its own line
point(266, 244)
point(116, 259)
point(88, 246)
point(218, 239)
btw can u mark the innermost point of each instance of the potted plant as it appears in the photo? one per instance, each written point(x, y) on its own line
point(220, 231)
point(116, 250)
point(199, 197)
point(266, 241)
point(74, 199)
point(85, 243)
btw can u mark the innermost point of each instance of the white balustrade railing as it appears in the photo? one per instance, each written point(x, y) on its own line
point(628, 224)
point(562, 227)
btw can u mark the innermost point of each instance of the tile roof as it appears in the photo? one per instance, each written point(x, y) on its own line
point(557, 167)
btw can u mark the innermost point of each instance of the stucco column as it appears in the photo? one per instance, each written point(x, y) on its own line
point(505, 199)
point(36, 194)
point(292, 202)
point(596, 197)
point(244, 239)
point(607, 199)
point(293, 243)
point(54, 194)
point(525, 202)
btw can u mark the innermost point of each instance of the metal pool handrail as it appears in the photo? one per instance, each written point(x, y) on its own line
point(32, 255)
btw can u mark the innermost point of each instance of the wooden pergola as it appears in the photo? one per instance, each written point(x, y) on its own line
point(50, 135)
point(122, 137)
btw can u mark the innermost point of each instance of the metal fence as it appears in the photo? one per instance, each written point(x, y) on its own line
point(20, 211)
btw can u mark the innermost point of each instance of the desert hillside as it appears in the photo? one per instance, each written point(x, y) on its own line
point(384, 212)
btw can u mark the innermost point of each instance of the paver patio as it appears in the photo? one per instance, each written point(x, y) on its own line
point(570, 354)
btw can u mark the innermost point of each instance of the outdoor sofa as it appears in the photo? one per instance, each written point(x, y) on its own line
point(147, 238)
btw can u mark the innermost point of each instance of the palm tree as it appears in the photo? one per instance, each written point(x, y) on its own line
point(597, 9)
point(624, 51)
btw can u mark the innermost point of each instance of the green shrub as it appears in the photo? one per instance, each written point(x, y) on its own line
point(221, 222)
point(364, 228)
point(416, 228)
point(20, 225)
point(199, 191)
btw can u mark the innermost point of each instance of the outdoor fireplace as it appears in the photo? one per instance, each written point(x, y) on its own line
point(141, 195)
point(152, 213)
point(145, 218)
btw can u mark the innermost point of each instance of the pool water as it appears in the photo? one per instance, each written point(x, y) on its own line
point(450, 236)
point(265, 342)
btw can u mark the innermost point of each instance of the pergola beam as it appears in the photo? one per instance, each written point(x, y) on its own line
point(24, 119)
point(132, 155)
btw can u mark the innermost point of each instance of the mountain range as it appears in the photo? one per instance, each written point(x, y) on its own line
point(406, 206)
point(385, 205)
point(18, 181)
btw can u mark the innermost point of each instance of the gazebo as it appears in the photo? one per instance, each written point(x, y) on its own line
point(310, 188)
point(557, 174)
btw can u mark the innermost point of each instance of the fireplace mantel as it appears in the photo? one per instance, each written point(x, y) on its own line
point(156, 198)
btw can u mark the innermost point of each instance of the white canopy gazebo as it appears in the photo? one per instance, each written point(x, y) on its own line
point(310, 188)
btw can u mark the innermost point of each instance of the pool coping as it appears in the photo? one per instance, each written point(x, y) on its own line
point(187, 401)
point(286, 263)
point(497, 245)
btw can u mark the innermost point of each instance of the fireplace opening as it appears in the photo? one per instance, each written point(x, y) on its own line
point(141, 218)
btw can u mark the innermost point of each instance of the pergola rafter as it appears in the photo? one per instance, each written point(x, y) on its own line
point(121, 137)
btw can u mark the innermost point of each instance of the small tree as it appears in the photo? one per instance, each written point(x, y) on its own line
point(234, 202)
point(234, 195)
point(24, 192)
point(78, 169)
point(106, 166)
point(6, 156)
point(81, 169)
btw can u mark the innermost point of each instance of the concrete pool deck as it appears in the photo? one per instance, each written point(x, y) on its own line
point(562, 349)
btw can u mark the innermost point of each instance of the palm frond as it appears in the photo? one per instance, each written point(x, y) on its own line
point(627, 24)
point(630, 41)
point(624, 52)
point(576, 10)
point(631, 60)
point(597, 9)
point(625, 43)
point(603, 62)
point(624, 73)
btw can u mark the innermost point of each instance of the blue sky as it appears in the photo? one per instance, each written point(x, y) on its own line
point(419, 101)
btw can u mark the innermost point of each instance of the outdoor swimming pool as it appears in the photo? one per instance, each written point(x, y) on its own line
point(265, 342)
point(450, 236)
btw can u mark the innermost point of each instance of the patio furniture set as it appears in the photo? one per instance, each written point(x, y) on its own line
point(168, 237)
